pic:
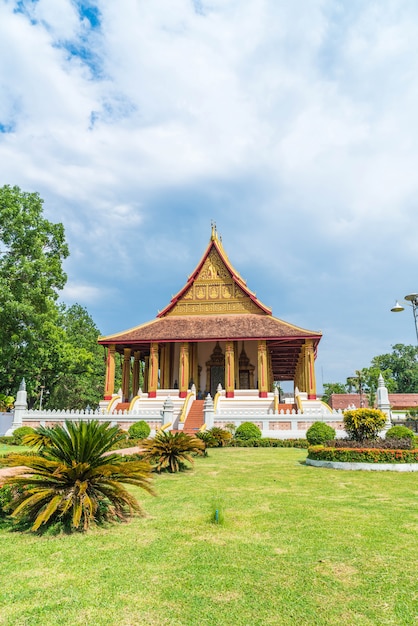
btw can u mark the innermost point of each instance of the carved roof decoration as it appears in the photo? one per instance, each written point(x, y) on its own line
point(215, 288)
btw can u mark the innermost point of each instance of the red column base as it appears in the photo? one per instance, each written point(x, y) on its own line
point(183, 394)
point(229, 394)
point(107, 398)
point(311, 396)
point(152, 394)
point(262, 394)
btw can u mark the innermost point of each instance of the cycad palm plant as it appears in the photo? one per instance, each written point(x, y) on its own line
point(170, 451)
point(73, 479)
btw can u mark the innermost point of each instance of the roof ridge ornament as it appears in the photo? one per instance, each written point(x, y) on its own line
point(214, 233)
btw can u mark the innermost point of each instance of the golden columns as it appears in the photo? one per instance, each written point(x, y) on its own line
point(135, 373)
point(153, 367)
point(263, 381)
point(110, 372)
point(126, 374)
point(229, 369)
point(184, 369)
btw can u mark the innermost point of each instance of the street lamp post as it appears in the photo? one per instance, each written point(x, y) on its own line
point(412, 300)
point(41, 398)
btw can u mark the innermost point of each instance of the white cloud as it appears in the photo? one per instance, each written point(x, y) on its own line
point(295, 129)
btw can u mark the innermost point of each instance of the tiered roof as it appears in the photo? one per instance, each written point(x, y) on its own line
point(216, 304)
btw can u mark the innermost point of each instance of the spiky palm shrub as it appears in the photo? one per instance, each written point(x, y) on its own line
point(170, 451)
point(72, 481)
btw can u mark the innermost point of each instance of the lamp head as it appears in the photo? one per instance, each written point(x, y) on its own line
point(412, 297)
point(397, 308)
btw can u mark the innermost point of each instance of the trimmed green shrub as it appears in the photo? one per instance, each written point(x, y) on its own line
point(19, 433)
point(319, 433)
point(371, 443)
point(269, 442)
point(401, 432)
point(139, 430)
point(363, 424)
point(248, 430)
point(7, 440)
point(362, 455)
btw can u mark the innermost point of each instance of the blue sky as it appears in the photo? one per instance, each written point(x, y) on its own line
point(295, 130)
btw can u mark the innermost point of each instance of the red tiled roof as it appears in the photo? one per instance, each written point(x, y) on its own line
point(210, 328)
point(398, 401)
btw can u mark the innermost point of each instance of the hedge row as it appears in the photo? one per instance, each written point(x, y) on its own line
point(267, 442)
point(362, 455)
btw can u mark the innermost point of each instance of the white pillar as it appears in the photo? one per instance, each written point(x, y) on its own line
point(383, 403)
point(21, 406)
point(208, 412)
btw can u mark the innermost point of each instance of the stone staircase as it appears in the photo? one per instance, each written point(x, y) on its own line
point(194, 419)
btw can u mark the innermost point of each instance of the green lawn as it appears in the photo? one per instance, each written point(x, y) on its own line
point(5, 449)
point(299, 545)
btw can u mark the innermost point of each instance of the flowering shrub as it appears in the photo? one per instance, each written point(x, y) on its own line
point(363, 424)
point(362, 455)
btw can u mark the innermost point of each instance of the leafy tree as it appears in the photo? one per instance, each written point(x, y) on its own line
point(403, 365)
point(6, 402)
point(71, 482)
point(76, 381)
point(330, 388)
point(363, 424)
point(31, 253)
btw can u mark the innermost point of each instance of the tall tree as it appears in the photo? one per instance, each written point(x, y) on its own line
point(403, 364)
point(78, 380)
point(330, 388)
point(31, 253)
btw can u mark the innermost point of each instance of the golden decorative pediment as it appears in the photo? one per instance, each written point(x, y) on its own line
point(214, 291)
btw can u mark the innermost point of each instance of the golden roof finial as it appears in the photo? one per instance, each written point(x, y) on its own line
point(214, 233)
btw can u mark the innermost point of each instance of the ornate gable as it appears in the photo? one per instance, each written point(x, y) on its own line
point(215, 288)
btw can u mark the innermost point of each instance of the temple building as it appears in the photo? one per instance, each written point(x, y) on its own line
point(214, 334)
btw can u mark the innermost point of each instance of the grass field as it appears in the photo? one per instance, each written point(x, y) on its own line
point(299, 545)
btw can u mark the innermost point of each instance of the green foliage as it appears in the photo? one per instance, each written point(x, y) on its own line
point(217, 511)
point(49, 345)
point(77, 379)
point(139, 430)
point(362, 424)
point(319, 433)
point(21, 432)
point(71, 483)
point(362, 455)
point(402, 362)
point(370, 443)
point(219, 436)
point(269, 442)
point(6, 402)
point(31, 253)
point(171, 451)
point(400, 432)
point(330, 388)
point(247, 430)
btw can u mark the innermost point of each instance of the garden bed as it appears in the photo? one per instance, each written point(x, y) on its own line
point(380, 459)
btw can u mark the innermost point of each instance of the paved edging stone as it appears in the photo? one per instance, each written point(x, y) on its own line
point(371, 467)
